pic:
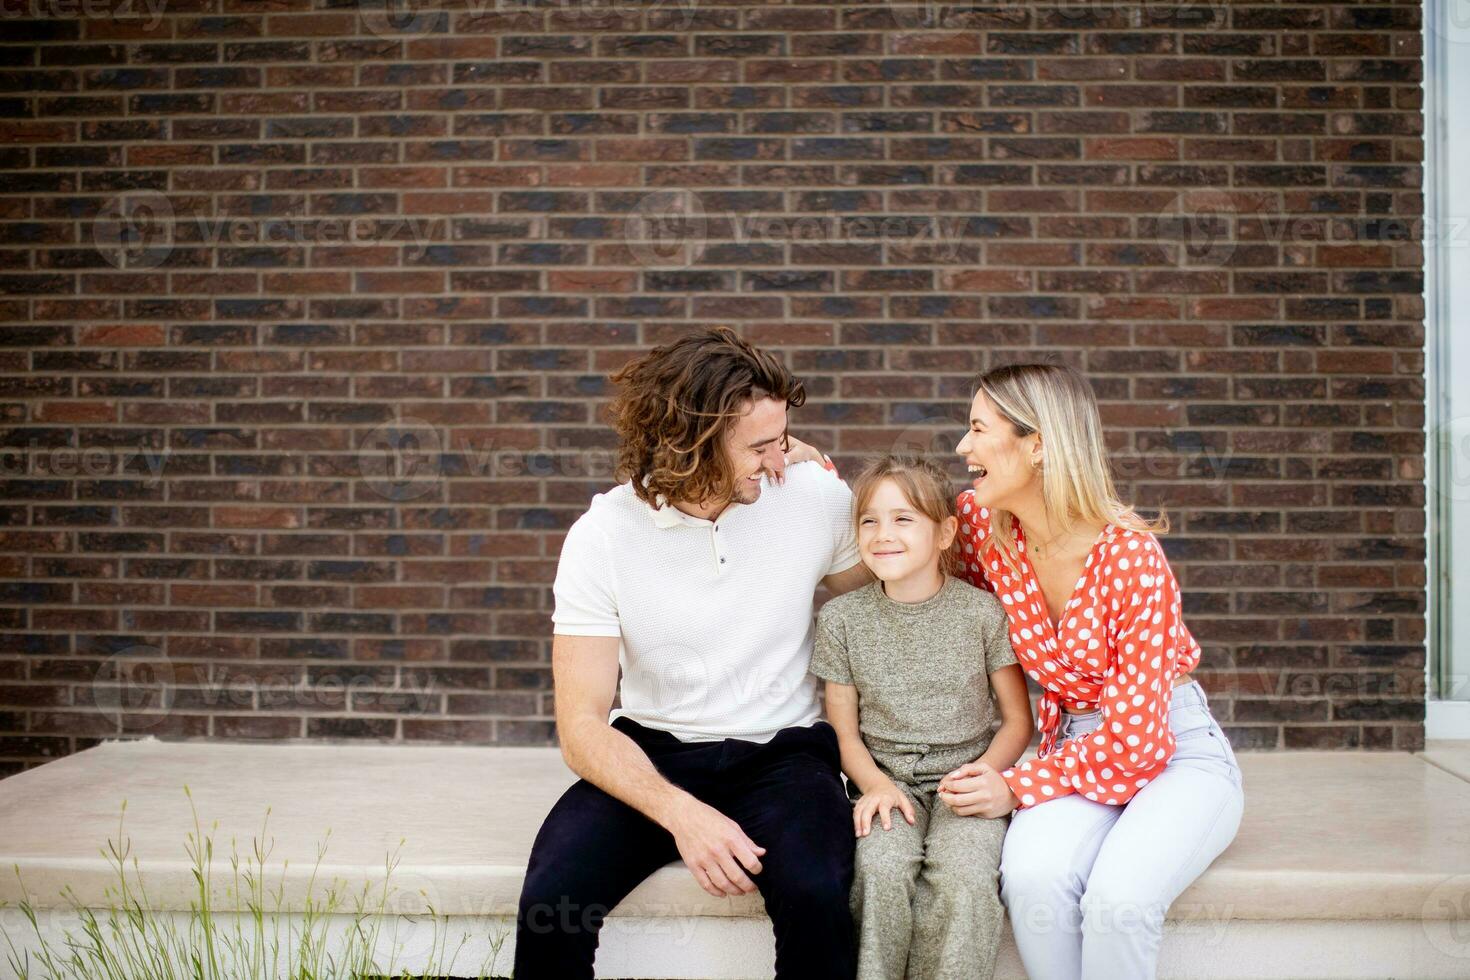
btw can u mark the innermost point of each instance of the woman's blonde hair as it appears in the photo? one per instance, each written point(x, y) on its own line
point(1076, 483)
point(928, 489)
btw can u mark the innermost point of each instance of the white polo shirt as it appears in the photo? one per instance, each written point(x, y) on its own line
point(715, 617)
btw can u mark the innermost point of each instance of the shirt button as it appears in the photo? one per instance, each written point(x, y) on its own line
point(722, 561)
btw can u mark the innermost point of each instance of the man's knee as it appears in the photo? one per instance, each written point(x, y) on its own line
point(814, 870)
point(550, 905)
point(821, 886)
point(559, 890)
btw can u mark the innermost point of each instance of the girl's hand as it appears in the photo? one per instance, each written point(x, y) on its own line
point(881, 800)
point(976, 789)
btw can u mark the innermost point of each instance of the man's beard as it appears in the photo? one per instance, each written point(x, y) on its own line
point(745, 492)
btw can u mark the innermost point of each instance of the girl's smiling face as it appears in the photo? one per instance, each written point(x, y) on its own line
point(1001, 462)
point(896, 539)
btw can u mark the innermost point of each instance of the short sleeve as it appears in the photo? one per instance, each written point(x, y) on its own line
point(829, 651)
point(1133, 743)
point(974, 528)
point(837, 502)
point(586, 604)
point(997, 635)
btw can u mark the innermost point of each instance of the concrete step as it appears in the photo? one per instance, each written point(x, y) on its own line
point(1346, 865)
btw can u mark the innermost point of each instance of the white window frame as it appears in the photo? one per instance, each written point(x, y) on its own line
point(1446, 367)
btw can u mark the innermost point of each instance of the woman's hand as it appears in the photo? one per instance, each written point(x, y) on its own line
point(881, 800)
point(799, 452)
point(977, 789)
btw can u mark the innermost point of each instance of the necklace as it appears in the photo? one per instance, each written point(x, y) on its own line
point(1039, 550)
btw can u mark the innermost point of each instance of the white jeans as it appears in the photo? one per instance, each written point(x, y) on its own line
point(1087, 884)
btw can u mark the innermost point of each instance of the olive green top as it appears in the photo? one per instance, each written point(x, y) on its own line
point(920, 668)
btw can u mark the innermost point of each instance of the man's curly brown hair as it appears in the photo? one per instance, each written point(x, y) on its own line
point(675, 405)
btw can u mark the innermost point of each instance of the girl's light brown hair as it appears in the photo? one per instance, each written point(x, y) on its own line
point(923, 483)
point(675, 404)
point(1076, 483)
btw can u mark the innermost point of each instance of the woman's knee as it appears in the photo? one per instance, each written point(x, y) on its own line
point(1035, 871)
point(1113, 903)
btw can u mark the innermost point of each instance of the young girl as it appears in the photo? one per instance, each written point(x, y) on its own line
point(1136, 788)
point(911, 662)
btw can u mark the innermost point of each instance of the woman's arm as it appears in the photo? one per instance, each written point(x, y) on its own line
point(974, 528)
point(1134, 742)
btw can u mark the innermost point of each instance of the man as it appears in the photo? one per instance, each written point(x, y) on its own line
point(696, 576)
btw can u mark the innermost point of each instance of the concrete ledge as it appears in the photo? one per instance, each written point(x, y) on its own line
point(1339, 855)
point(1451, 756)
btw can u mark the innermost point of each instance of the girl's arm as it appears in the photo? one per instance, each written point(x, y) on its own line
point(857, 761)
point(879, 793)
point(1014, 734)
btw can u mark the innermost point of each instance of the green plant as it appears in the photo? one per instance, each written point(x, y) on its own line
point(335, 937)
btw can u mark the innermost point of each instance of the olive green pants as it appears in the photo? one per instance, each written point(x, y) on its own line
point(926, 896)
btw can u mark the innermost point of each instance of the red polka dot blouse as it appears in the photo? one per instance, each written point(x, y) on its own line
point(1118, 645)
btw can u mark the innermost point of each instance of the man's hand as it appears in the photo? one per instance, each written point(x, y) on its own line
point(715, 848)
point(977, 789)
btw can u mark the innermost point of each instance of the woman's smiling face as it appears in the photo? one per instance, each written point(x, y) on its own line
point(1000, 461)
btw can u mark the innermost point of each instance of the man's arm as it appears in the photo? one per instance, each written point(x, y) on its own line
point(853, 578)
point(584, 671)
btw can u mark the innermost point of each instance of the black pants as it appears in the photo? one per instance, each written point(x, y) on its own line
point(786, 794)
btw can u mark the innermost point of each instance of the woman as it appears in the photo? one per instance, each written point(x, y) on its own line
point(1135, 789)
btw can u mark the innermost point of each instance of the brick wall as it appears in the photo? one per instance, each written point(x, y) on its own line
point(307, 313)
